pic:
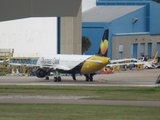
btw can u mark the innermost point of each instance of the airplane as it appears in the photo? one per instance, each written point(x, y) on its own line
point(132, 61)
point(87, 65)
point(148, 63)
point(125, 61)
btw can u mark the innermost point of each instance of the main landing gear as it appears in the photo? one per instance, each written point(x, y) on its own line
point(56, 78)
point(89, 77)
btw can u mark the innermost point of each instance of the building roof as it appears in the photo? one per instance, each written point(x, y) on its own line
point(106, 13)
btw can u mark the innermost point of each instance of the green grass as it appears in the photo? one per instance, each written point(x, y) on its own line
point(24, 111)
point(76, 112)
point(94, 92)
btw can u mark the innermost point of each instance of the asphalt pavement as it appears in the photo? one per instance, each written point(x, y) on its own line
point(147, 77)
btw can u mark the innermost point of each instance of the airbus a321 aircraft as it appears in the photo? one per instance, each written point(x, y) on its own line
point(73, 64)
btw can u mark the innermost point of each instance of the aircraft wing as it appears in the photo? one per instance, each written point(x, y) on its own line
point(119, 64)
point(60, 67)
point(126, 60)
point(55, 66)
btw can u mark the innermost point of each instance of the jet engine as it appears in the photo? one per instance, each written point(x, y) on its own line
point(41, 73)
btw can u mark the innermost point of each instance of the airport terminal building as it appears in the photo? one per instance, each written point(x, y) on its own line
point(134, 27)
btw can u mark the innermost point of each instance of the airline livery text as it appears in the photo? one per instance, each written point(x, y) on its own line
point(50, 61)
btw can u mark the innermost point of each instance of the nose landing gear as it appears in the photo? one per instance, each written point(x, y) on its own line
point(89, 77)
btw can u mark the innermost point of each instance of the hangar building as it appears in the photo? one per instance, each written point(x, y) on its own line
point(36, 27)
point(134, 27)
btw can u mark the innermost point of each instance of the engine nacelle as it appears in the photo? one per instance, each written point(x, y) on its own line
point(41, 73)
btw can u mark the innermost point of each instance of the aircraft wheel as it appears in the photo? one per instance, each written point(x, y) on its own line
point(91, 79)
point(55, 79)
point(59, 79)
point(87, 79)
point(47, 78)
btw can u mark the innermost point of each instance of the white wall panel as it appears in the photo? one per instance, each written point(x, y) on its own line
point(86, 4)
point(29, 37)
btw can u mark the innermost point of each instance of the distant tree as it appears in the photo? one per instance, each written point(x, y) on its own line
point(157, 1)
point(86, 44)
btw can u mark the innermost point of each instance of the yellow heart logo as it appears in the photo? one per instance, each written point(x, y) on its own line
point(104, 46)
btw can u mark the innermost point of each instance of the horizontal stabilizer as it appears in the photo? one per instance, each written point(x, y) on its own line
point(28, 65)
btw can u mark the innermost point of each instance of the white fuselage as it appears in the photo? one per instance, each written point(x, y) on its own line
point(84, 64)
point(69, 61)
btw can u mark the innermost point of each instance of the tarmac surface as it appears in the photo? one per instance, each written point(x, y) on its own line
point(147, 77)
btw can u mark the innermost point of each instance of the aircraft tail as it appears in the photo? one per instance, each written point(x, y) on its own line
point(154, 59)
point(103, 48)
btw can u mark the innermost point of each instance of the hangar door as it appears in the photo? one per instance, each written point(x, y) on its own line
point(150, 49)
point(134, 50)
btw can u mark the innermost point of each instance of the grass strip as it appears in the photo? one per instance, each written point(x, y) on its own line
point(10, 111)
